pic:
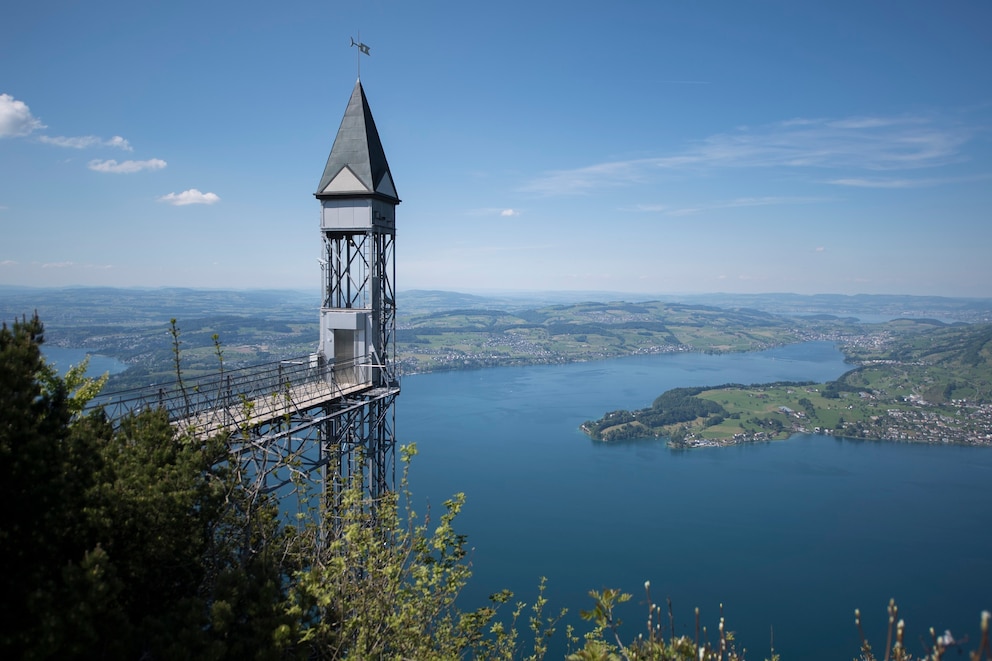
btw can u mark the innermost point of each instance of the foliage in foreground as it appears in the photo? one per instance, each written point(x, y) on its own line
point(604, 642)
point(135, 542)
point(124, 542)
point(385, 585)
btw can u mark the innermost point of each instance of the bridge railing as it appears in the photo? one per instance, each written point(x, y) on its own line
point(226, 391)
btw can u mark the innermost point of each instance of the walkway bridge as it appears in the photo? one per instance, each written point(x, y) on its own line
point(288, 421)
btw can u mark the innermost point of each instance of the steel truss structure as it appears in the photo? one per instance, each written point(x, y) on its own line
point(358, 299)
point(297, 428)
point(308, 427)
point(358, 273)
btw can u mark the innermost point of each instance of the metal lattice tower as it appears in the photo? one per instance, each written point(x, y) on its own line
point(325, 419)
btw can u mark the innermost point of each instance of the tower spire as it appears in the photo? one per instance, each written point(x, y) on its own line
point(357, 163)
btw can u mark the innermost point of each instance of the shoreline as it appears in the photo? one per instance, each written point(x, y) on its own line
point(702, 443)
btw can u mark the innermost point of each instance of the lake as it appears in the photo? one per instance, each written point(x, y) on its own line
point(789, 536)
point(63, 358)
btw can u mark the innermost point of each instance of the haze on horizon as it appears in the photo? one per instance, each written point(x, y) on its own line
point(644, 147)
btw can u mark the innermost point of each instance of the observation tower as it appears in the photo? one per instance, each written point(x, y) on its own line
point(358, 310)
point(357, 349)
point(326, 419)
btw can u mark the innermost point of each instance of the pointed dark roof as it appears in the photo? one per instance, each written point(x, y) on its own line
point(357, 164)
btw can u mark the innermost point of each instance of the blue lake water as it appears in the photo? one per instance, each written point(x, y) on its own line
point(791, 535)
point(64, 358)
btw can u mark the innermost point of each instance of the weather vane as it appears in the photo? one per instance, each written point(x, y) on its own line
point(362, 48)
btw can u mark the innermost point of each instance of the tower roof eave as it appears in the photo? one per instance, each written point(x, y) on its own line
point(356, 196)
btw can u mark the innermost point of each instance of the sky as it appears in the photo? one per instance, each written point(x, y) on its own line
point(652, 147)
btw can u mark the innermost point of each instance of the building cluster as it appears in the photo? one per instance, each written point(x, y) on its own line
point(960, 422)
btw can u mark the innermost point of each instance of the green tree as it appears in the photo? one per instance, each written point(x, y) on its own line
point(124, 542)
point(33, 485)
point(195, 563)
point(385, 582)
point(130, 541)
point(80, 388)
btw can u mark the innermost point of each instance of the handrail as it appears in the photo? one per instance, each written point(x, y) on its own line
point(226, 390)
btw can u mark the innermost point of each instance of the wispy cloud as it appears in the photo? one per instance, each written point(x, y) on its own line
point(926, 182)
point(126, 167)
point(857, 143)
point(16, 118)
point(508, 213)
point(191, 196)
point(862, 143)
point(874, 122)
point(71, 265)
point(82, 142)
point(652, 208)
point(592, 177)
point(877, 183)
point(730, 204)
point(68, 264)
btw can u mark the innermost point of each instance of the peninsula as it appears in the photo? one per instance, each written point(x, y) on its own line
point(920, 382)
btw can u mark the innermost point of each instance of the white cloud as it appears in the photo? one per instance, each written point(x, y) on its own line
point(191, 196)
point(126, 167)
point(860, 143)
point(82, 142)
point(119, 142)
point(16, 118)
point(494, 211)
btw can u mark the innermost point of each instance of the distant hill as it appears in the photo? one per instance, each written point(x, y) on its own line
point(864, 306)
point(453, 330)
